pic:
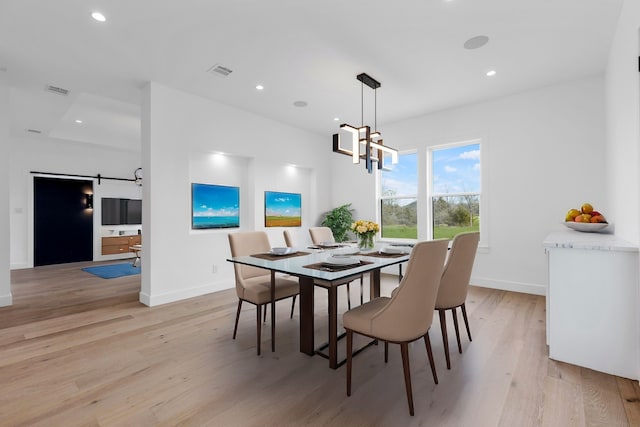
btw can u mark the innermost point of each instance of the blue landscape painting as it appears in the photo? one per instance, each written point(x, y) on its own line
point(214, 206)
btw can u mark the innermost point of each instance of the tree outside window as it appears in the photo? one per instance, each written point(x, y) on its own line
point(398, 201)
point(453, 193)
point(454, 189)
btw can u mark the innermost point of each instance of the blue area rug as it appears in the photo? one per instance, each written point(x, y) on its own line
point(113, 270)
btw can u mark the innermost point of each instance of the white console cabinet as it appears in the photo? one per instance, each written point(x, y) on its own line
point(593, 302)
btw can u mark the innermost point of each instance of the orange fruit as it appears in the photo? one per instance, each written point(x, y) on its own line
point(583, 218)
point(586, 208)
point(598, 218)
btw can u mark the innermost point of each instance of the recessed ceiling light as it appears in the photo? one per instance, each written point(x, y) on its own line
point(491, 73)
point(476, 42)
point(78, 121)
point(98, 16)
point(259, 87)
point(300, 104)
point(335, 119)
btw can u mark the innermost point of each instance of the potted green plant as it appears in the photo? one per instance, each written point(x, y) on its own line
point(339, 220)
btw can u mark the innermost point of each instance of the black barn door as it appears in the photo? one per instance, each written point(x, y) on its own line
point(63, 225)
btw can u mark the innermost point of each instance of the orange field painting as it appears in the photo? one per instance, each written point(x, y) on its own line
point(283, 221)
point(282, 209)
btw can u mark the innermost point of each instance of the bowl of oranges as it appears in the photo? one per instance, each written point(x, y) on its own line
point(585, 219)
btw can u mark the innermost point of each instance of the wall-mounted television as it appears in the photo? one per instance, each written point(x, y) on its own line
point(214, 206)
point(282, 209)
point(118, 211)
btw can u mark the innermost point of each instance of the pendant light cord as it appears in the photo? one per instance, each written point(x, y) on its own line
point(361, 104)
point(375, 110)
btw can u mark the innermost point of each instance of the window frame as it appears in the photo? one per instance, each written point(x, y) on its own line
point(482, 194)
point(381, 198)
point(424, 188)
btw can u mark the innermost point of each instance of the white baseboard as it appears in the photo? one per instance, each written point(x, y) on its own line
point(504, 285)
point(114, 257)
point(19, 266)
point(154, 300)
point(6, 300)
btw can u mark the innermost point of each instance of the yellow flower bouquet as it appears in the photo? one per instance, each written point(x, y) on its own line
point(365, 230)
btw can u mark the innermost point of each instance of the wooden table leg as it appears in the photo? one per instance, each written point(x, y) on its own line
point(333, 327)
point(307, 345)
point(273, 310)
point(374, 284)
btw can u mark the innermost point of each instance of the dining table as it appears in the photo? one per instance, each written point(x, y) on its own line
point(313, 266)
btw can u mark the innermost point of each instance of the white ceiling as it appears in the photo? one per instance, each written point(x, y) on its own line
point(300, 50)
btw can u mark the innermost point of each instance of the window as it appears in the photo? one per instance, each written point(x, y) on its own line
point(454, 189)
point(398, 198)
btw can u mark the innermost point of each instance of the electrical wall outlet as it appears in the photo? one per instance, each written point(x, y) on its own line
point(215, 268)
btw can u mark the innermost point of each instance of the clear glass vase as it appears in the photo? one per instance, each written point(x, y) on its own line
point(365, 241)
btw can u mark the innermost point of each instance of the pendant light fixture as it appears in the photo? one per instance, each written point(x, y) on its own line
point(365, 144)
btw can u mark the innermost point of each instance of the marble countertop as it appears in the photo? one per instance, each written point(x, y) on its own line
point(595, 241)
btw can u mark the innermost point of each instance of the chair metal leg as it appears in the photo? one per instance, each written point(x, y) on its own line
point(293, 304)
point(455, 325)
point(404, 350)
point(386, 351)
point(445, 340)
point(264, 319)
point(349, 359)
point(259, 326)
point(348, 297)
point(466, 321)
point(235, 328)
point(427, 343)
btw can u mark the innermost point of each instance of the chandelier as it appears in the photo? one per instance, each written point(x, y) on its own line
point(365, 144)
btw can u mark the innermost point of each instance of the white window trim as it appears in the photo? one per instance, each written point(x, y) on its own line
point(483, 246)
point(380, 197)
point(424, 184)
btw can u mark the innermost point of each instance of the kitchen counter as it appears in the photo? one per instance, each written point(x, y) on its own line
point(590, 241)
point(593, 302)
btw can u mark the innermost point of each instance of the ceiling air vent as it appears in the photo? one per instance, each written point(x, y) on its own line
point(34, 131)
point(58, 90)
point(220, 70)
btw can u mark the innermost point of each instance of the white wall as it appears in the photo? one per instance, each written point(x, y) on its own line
point(622, 83)
point(353, 184)
point(55, 156)
point(5, 277)
point(623, 124)
point(544, 154)
point(180, 133)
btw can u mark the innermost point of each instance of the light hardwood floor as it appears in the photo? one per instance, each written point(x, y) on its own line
point(79, 350)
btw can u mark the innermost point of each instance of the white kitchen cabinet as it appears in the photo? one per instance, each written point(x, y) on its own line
point(593, 302)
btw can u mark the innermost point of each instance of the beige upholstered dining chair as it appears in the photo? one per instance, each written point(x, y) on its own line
point(320, 235)
point(323, 235)
point(288, 239)
point(254, 284)
point(454, 285)
point(289, 242)
point(407, 315)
